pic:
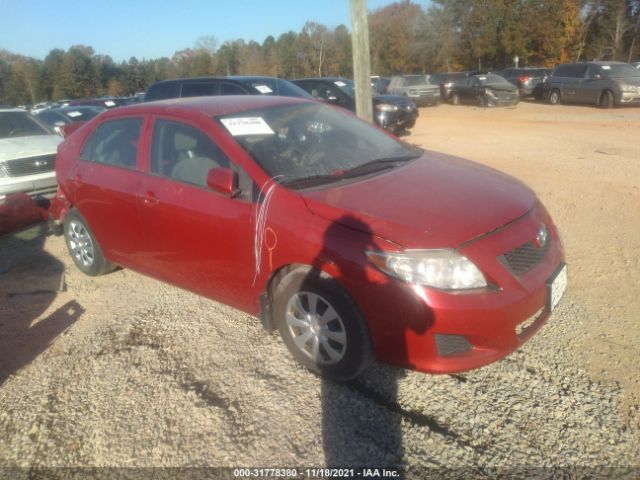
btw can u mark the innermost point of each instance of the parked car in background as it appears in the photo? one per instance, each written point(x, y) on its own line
point(636, 64)
point(27, 155)
point(446, 81)
point(605, 84)
point(417, 88)
point(236, 85)
point(529, 81)
point(106, 102)
point(57, 118)
point(391, 112)
point(354, 245)
point(486, 90)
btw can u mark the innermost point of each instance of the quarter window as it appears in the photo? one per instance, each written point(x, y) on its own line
point(114, 143)
point(184, 153)
point(198, 89)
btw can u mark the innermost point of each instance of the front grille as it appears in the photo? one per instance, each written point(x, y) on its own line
point(504, 95)
point(523, 258)
point(30, 166)
point(448, 345)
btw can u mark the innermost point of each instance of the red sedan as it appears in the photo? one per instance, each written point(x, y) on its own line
point(353, 244)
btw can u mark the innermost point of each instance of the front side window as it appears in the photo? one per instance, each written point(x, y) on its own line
point(20, 124)
point(302, 145)
point(231, 89)
point(184, 153)
point(114, 142)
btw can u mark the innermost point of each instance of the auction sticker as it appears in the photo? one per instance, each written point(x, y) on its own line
point(263, 89)
point(247, 126)
point(340, 83)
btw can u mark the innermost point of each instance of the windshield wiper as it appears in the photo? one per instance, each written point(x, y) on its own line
point(377, 165)
point(310, 181)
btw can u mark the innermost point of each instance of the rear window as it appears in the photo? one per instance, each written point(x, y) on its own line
point(160, 91)
point(198, 89)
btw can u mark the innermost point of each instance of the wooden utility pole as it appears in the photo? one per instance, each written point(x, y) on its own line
point(361, 64)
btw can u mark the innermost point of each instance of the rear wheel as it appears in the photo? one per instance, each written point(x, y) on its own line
point(83, 247)
point(606, 99)
point(554, 97)
point(321, 325)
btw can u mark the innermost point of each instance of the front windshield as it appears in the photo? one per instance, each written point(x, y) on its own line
point(492, 80)
point(275, 86)
point(347, 86)
point(301, 145)
point(413, 80)
point(20, 124)
point(620, 70)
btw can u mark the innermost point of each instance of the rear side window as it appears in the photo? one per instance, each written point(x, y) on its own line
point(572, 71)
point(184, 153)
point(114, 143)
point(199, 89)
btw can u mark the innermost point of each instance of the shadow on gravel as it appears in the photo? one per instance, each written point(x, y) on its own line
point(360, 428)
point(30, 279)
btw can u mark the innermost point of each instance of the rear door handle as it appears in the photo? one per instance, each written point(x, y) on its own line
point(149, 199)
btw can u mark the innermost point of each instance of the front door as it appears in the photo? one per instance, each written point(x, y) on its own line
point(194, 237)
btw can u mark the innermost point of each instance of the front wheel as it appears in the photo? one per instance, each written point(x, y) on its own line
point(83, 247)
point(607, 100)
point(321, 325)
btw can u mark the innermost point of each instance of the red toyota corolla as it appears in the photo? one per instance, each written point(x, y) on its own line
point(353, 244)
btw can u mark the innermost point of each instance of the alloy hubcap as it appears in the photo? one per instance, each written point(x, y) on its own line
point(316, 328)
point(80, 243)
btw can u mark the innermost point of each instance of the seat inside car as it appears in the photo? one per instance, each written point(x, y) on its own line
point(191, 166)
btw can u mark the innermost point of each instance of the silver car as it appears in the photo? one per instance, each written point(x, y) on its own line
point(606, 84)
point(27, 155)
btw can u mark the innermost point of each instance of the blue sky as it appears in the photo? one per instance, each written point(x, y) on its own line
point(156, 28)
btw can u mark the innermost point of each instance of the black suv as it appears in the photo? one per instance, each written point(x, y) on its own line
point(236, 85)
point(598, 83)
point(530, 81)
point(391, 112)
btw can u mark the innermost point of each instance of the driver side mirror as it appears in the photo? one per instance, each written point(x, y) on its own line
point(223, 181)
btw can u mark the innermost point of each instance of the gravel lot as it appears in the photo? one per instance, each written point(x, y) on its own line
point(125, 371)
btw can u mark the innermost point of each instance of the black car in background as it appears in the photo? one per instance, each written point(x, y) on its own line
point(606, 84)
point(391, 112)
point(446, 81)
point(56, 118)
point(486, 90)
point(237, 85)
point(529, 81)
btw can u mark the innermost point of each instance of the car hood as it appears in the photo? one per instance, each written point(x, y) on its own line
point(436, 201)
point(392, 99)
point(24, 147)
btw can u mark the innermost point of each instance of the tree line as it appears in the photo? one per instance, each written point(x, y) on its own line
point(449, 35)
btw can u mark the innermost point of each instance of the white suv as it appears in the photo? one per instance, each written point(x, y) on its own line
point(27, 155)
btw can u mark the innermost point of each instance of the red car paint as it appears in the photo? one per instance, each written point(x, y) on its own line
point(205, 242)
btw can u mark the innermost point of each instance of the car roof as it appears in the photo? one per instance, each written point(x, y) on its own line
point(12, 109)
point(208, 105)
point(326, 79)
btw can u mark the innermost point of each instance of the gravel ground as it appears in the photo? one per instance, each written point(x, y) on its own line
point(124, 371)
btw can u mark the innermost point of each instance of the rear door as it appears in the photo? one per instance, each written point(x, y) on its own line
point(193, 236)
point(106, 180)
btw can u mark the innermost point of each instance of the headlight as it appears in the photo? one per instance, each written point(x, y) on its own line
point(386, 107)
point(444, 269)
point(489, 92)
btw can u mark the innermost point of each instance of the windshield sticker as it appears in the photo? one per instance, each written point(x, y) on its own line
point(109, 103)
point(340, 84)
point(247, 126)
point(482, 78)
point(606, 67)
point(74, 114)
point(263, 89)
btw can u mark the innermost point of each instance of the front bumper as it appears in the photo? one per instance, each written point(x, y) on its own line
point(42, 184)
point(440, 332)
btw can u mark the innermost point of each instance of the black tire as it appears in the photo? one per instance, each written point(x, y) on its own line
point(455, 99)
point(607, 100)
point(83, 246)
point(554, 97)
point(350, 343)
